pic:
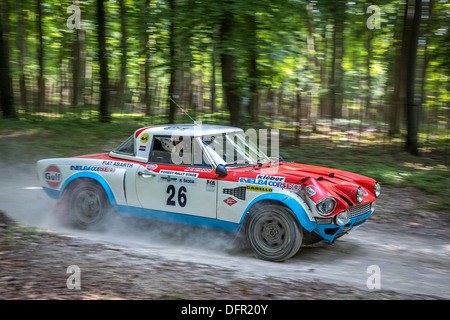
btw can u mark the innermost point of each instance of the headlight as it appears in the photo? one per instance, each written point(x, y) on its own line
point(326, 206)
point(359, 195)
point(342, 218)
point(377, 189)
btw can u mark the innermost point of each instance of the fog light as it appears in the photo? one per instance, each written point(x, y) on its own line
point(342, 218)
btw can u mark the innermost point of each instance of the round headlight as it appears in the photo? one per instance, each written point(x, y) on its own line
point(377, 189)
point(359, 195)
point(326, 206)
point(342, 218)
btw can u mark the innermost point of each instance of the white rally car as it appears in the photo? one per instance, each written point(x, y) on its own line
point(212, 176)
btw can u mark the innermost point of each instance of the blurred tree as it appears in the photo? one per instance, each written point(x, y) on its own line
point(172, 62)
point(228, 63)
point(337, 72)
point(6, 90)
point(412, 26)
point(104, 109)
point(40, 54)
point(121, 86)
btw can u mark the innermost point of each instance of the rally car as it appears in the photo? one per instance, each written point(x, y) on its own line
point(212, 176)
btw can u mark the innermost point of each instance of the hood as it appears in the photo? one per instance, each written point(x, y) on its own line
point(317, 183)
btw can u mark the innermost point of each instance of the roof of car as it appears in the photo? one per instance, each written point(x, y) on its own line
point(187, 129)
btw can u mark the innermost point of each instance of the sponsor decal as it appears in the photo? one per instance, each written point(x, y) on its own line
point(92, 168)
point(310, 190)
point(142, 148)
point(180, 173)
point(230, 201)
point(258, 188)
point(210, 185)
point(117, 164)
point(175, 128)
point(144, 138)
point(238, 192)
point(270, 178)
point(271, 181)
point(193, 169)
point(262, 182)
point(151, 166)
point(178, 177)
point(52, 176)
point(291, 186)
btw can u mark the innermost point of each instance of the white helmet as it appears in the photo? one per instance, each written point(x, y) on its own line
point(166, 143)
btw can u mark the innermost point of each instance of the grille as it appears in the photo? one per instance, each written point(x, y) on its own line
point(359, 210)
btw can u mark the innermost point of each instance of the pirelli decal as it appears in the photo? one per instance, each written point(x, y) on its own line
point(250, 187)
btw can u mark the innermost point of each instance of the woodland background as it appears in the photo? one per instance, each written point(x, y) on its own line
point(327, 71)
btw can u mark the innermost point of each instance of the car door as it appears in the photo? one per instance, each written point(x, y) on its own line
point(182, 188)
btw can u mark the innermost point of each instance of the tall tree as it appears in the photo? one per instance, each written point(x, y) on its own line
point(399, 75)
point(104, 110)
point(40, 54)
point(6, 90)
point(337, 72)
point(253, 75)
point(172, 62)
point(228, 64)
point(123, 55)
point(412, 26)
point(22, 54)
point(78, 64)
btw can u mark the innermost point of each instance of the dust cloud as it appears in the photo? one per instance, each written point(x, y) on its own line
point(23, 199)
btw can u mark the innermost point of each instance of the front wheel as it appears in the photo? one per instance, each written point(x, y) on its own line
point(88, 204)
point(273, 233)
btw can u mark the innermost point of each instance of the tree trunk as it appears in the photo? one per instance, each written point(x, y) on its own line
point(229, 78)
point(172, 105)
point(368, 76)
point(252, 107)
point(213, 77)
point(6, 89)
point(41, 80)
point(412, 109)
point(399, 71)
point(22, 54)
point(78, 66)
point(120, 100)
point(337, 73)
point(105, 113)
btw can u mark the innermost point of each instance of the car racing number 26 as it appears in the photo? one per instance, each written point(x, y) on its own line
point(181, 195)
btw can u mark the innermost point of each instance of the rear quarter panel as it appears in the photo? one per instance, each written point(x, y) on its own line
point(56, 174)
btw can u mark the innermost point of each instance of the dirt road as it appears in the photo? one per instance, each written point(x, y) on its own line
point(403, 252)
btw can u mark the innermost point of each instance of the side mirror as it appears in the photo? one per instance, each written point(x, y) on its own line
point(221, 170)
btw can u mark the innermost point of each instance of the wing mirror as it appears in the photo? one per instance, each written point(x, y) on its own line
point(221, 170)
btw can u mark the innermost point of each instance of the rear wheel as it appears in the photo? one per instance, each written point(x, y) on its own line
point(273, 233)
point(88, 204)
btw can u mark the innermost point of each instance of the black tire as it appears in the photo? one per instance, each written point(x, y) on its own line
point(89, 206)
point(273, 233)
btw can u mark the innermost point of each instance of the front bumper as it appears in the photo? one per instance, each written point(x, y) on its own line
point(331, 231)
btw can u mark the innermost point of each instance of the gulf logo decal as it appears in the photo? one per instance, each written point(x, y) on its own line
point(52, 176)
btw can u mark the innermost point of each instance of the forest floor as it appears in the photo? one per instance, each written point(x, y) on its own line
point(34, 262)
